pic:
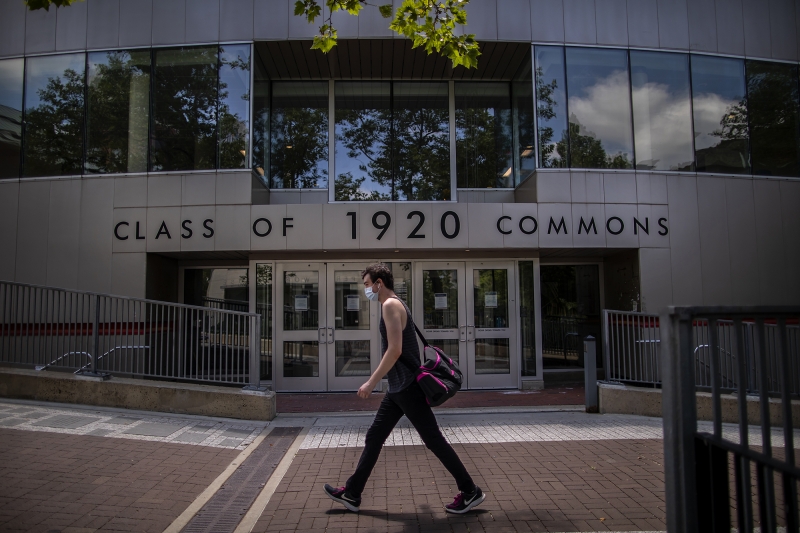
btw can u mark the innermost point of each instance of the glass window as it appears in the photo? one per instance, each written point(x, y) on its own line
point(440, 299)
point(299, 135)
point(421, 141)
point(662, 111)
point(570, 312)
point(118, 109)
point(184, 132)
point(720, 115)
point(261, 91)
point(551, 107)
point(363, 159)
point(483, 135)
point(234, 105)
point(11, 72)
point(524, 123)
point(599, 101)
point(54, 115)
point(350, 303)
point(264, 309)
point(401, 272)
point(772, 110)
point(527, 314)
point(217, 288)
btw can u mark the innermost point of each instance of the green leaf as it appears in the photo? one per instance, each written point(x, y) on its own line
point(386, 11)
point(299, 8)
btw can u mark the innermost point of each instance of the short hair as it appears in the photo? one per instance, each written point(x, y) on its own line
point(379, 271)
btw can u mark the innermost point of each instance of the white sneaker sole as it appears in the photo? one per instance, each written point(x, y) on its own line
point(474, 503)
point(348, 505)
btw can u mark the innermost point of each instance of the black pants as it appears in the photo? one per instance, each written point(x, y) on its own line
point(412, 403)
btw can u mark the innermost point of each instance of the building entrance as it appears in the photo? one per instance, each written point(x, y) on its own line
point(326, 330)
point(469, 310)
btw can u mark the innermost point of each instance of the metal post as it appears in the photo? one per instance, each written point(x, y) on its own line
point(95, 334)
point(255, 355)
point(590, 373)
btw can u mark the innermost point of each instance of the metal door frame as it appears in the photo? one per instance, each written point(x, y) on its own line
point(322, 335)
point(335, 383)
point(493, 381)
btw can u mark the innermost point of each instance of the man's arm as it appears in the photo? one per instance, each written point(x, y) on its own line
point(393, 312)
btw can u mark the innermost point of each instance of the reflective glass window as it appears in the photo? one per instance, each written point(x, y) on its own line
point(299, 135)
point(662, 111)
point(118, 111)
point(599, 102)
point(54, 115)
point(184, 103)
point(363, 158)
point(551, 107)
point(772, 110)
point(484, 150)
point(261, 146)
point(234, 105)
point(527, 315)
point(524, 123)
point(721, 140)
point(264, 289)
point(11, 72)
point(421, 143)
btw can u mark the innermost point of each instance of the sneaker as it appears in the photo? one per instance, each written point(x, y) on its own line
point(340, 495)
point(464, 502)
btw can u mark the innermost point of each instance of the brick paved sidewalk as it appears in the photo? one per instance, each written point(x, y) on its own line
point(614, 485)
point(56, 482)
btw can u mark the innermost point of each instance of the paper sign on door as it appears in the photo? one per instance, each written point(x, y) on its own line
point(440, 300)
point(353, 303)
point(490, 299)
point(301, 303)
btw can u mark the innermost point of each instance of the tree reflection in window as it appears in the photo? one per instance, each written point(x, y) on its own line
point(54, 115)
point(118, 111)
point(400, 152)
point(772, 102)
point(299, 135)
point(421, 141)
point(483, 135)
point(185, 91)
point(551, 107)
point(234, 105)
point(600, 133)
point(721, 137)
point(11, 82)
point(363, 158)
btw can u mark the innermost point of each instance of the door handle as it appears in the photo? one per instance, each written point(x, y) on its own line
point(462, 330)
point(322, 335)
point(330, 335)
point(470, 333)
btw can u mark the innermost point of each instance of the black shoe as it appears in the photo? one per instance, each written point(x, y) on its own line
point(340, 495)
point(464, 502)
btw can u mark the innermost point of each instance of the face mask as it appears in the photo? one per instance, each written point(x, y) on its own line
point(372, 296)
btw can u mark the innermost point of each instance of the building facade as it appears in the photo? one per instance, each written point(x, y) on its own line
point(604, 154)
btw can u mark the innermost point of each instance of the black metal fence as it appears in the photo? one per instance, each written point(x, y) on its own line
point(697, 463)
point(51, 328)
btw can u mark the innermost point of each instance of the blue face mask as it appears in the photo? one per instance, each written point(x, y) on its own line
point(372, 296)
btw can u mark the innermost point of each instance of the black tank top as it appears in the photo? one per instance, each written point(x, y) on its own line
point(400, 375)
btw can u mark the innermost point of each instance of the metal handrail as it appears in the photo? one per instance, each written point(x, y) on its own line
point(49, 327)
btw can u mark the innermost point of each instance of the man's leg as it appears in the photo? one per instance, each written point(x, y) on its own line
point(414, 405)
point(389, 413)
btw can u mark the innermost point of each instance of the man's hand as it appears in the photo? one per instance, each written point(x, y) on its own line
point(366, 389)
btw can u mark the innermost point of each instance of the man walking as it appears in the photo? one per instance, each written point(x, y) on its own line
point(400, 356)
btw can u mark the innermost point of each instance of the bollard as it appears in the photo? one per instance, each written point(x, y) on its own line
point(590, 373)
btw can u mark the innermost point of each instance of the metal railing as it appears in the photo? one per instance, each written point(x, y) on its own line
point(697, 463)
point(632, 352)
point(52, 328)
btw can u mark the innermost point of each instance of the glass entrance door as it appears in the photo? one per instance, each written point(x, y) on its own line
point(353, 352)
point(491, 326)
point(302, 335)
point(469, 311)
point(440, 308)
